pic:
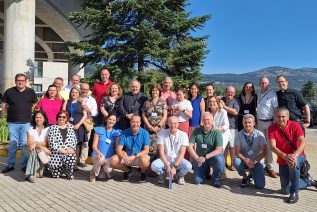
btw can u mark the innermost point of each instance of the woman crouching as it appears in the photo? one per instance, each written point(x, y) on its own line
point(37, 141)
point(62, 144)
point(104, 146)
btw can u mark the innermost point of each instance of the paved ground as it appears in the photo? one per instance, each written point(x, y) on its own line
point(49, 194)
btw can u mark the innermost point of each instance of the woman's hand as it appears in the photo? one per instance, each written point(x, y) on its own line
point(100, 156)
point(76, 126)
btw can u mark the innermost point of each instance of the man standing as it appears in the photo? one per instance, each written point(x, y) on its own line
point(209, 93)
point(250, 148)
point(18, 103)
point(74, 82)
point(208, 151)
point(288, 142)
point(293, 101)
point(100, 89)
point(59, 83)
point(135, 141)
point(167, 94)
point(91, 108)
point(231, 105)
point(131, 104)
point(267, 102)
point(172, 145)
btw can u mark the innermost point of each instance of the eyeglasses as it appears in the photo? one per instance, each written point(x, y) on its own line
point(62, 117)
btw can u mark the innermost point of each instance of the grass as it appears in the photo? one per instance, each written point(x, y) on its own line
point(3, 130)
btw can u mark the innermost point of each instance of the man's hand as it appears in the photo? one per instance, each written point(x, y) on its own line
point(76, 126)
point(291, 160)
point(100, 156)
point(168, 169)
point(306, 125)
point(129, 115)
point(173, 171)
point(200, 161)
point(129, 159)
point(250, 163)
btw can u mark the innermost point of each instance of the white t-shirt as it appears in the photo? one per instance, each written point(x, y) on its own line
point(172, 143)
point(186, 105)
point(38, 138)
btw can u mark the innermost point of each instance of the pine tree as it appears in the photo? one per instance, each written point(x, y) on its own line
point(309, 91)
point(133, 36)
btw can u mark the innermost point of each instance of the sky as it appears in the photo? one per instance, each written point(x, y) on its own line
point(248, 35)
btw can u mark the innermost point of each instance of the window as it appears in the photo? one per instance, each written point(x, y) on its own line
point(38, 69)
point(37, 87)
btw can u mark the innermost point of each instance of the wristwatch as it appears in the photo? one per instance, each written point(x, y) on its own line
point(175, 166)
point(135, 155)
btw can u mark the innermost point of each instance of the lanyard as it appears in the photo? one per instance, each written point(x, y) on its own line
point(249, 140)
point(108, 137)
point(72, 108)
point(172, 142)
point(262, 96)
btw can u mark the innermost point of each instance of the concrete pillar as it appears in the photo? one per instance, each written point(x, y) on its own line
point(74, 69)
point(19, 38)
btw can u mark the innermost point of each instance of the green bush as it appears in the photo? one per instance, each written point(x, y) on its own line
point(3, 130)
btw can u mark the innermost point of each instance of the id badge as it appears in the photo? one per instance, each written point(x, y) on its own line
point(108, 141)
point(246, 111)
point(204, 146)
point(250, 153)
point(71, 119)
point(154, 115)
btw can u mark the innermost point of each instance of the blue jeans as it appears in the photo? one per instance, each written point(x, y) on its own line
point(257, 172)
point(290, 177)
point(184, 166)
point(18, 137)
point(218, 165)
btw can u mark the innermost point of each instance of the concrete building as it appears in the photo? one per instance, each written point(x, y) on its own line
point(32, 36)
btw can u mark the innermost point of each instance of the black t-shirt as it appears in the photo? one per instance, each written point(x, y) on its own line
point(20, 104)
point(293, 101)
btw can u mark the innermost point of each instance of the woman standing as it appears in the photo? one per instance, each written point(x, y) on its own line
point(154, 115)
point(37, 142)
point(103, 147)
point(51, 104)
point(198, 105)
point(220, 119)
point(248, 101)
point(110, 104)
point(62, 143)
point(182, 108)
point(77, 116)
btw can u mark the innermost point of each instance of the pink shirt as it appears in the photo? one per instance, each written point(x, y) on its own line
point(51, 107)
point(168, 96)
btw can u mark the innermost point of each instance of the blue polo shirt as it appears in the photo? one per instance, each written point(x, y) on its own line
point(134, 144)
point(106, 141)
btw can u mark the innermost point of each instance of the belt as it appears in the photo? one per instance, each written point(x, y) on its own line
point(265, 120)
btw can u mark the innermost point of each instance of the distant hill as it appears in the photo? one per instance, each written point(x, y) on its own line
point(296, 77)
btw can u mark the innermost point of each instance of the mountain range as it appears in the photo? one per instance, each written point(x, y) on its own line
point(296, 77)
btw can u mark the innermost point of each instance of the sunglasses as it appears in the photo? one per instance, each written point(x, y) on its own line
point(62, 117)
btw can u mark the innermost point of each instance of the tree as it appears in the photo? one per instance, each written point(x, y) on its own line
point(134, 36)
point(309, 91)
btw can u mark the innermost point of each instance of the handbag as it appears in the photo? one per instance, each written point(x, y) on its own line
point(88, 125)
point(305, 166)
point(45, 159)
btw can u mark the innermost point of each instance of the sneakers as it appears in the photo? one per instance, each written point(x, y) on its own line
point(127, 175)
point(292, 199)
point(250, 178)
point(31, 179)
point(142, 178)
point(312, 181)
point(244, 183)
point(109, 175)
point(217, 183)
point(7, 169)
point(161, 179)
point(82, 165)
point(92, 177)
point(180, 180)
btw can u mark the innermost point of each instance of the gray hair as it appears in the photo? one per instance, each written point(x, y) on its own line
point(264, 77)
point(248, 116)
point(168, 78)
point(281, 109)
point(135, 80)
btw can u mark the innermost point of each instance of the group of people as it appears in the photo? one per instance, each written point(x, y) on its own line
point(166, 133)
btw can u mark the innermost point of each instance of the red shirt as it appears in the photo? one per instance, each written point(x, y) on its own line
point(100, 90)
point(292, 131)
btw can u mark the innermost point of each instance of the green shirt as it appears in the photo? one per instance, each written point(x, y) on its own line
point(213, 139)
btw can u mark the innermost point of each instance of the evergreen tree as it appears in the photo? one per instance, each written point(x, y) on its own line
point(133, 36)
point(309, 91)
